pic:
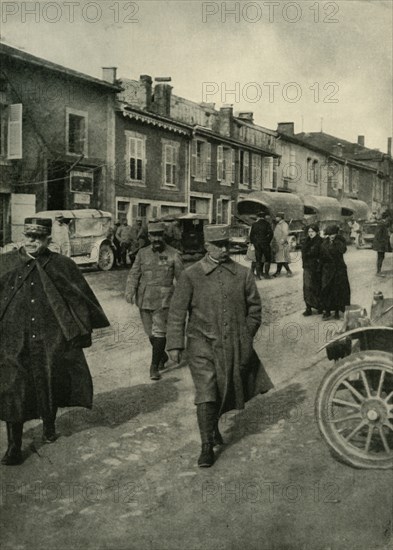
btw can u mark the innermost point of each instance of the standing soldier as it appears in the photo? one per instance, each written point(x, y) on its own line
point(47, 314)
point(125, 234)
point(223, 306)
point(261, 235)
point(60, 237)
point(381, 242)
point(280, 245)
point(150, 286)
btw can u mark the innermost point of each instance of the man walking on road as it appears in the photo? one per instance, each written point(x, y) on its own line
point(381, 242)
point(150, 286)
point(222, 303)
point(261, 235)
point(125, 235)
point(47, 314)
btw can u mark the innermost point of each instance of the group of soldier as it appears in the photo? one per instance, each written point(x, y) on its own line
point(48, 312)
point(270, 244)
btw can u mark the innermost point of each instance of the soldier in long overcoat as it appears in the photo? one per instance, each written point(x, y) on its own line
point(221, 301)
point(150, 286)
point(280, 245)
point(47, 314)
point(381, 242)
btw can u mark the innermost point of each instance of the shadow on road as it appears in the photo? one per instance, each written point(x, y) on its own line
point(113, 408)
point(263, 412)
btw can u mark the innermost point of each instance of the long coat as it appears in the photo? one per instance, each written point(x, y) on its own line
point(335, 289)
point(280, 245)
point(152, 275)
point(311, 257)
point(381, 242)
point(47, 314)
point(224, 313)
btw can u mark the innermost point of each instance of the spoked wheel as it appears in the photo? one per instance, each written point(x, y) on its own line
point(354, 408)
point(106, 257)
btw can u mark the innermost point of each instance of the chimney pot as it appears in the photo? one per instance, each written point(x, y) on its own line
point(246, 115)
point(361, 140)
point(286, 128)
point(109, 74)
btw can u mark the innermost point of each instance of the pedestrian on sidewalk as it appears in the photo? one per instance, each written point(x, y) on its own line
point(311, 256)
point(280, 245)
point(335, 289)
point(150, 286)
point(219, 299)
point(381, 242)
point(47, 314)
point(261, 234)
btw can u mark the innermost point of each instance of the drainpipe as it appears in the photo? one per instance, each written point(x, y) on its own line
point(189, 170)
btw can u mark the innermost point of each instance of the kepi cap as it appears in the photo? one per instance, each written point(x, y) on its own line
point(59, 216)
point(281, 214)
point(217, 232)
point(156, 227)
point(38, 226)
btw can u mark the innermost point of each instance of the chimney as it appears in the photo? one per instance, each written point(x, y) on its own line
point(337, 150)
point(247, 116)
point(109, 74)
point(145, 91)
point(389, 146)
point(286, 128)
point(361, 141)
point(225, 118)
point(162, 96)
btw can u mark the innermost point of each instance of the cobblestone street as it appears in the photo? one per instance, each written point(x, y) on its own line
point(124, 475)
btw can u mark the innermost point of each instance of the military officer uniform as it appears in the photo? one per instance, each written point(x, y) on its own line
point(150, 285)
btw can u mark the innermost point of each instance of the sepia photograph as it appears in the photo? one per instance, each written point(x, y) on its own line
point(196, 275)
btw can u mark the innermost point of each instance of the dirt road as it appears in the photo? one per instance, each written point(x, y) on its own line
point(124, 475)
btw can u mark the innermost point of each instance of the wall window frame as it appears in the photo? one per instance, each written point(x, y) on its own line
point(201, 159)
point(244, 168)
point(135, 158)
point(170, 164)
point(70, 127)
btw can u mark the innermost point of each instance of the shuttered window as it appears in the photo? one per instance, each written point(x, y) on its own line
point(14, 137)
point(170, 167)
point(136, 158)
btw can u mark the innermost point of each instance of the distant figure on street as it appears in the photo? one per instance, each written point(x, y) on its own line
point(381, 242)
point(139, 240)
point(124, 234)
point(47, 315)
point(335, 289)
point(216, 307)
point(311, 256)
point(150, 286)
point(280, 245)
point(60, 241)
point(261, 234)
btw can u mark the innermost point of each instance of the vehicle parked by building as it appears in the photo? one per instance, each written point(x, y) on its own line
point(272, 203)
point(88, 230)
point(192, 241)
point(323, 211)
point(352, 210)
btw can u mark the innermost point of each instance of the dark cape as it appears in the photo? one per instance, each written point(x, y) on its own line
point(47, 314)
point(335, 291)
point(311, 256)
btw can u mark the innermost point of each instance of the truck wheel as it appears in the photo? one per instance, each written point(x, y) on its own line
point(354, 409)
point(106, 258)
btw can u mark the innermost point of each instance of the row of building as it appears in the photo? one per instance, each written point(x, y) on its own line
point(132, 147)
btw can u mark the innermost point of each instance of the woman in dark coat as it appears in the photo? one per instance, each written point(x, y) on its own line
point(335, 289)
point(311, 251)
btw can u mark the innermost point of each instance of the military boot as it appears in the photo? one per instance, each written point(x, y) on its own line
point(49, 429)
point(13, 455)
point(207, 422)
point(155, 358)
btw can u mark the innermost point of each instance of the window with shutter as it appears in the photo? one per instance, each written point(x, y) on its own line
point(267, 164)
point(76, 132)
point(170, 167)
point(233, 165)
point(208, 159)
point(14, 137)
point(219, 211)
point(194, 153)
point(315, 165)
point(220, 163)
point(256, 172)
point(244, 172)
point(136, 158)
